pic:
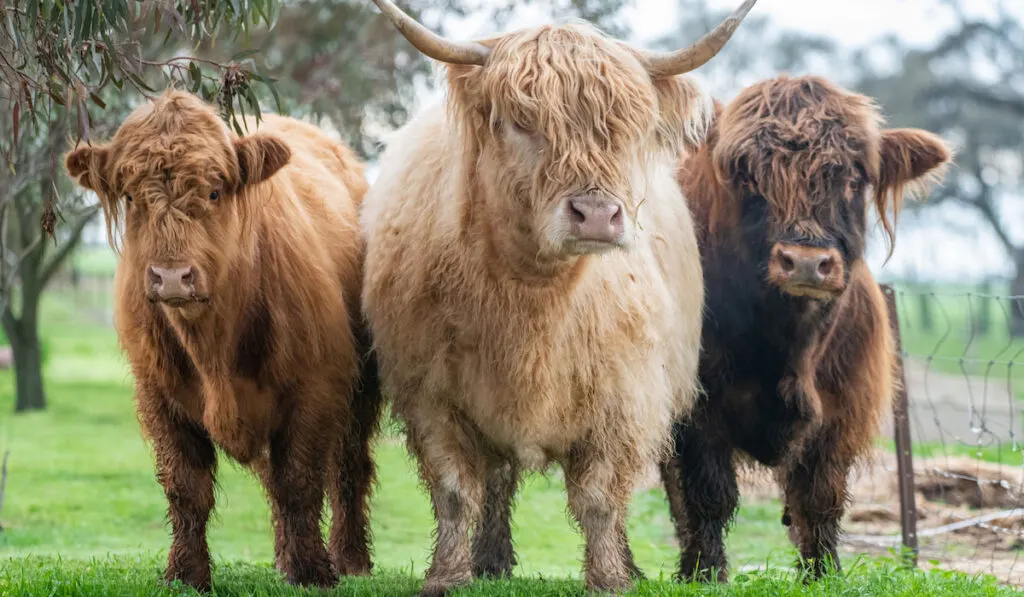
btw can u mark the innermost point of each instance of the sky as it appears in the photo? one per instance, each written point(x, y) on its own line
point(926, 246)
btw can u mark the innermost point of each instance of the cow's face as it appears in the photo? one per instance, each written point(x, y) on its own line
point(173, 181)
point(560, 127)
point(806, 160)
point(567, 126)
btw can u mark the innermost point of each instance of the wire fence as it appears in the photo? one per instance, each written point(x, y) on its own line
point(963, 504)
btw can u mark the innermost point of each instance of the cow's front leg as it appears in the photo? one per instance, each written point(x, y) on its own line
point(493, 552)
point(599, 487)
point(816, 497)
point(186, 464)
point(454, 471)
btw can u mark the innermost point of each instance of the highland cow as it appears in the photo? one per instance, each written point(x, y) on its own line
point(237, 304)
point(797, 360)
point(532, 284)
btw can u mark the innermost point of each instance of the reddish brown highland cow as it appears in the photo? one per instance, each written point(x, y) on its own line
point(237, 304)
point(797, 357)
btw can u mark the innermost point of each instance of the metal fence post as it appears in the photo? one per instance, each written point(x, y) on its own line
point(901, 420)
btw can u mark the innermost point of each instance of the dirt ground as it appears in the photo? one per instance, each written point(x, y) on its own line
point(959, 409)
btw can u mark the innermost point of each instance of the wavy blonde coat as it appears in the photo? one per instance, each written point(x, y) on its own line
point(493, 346)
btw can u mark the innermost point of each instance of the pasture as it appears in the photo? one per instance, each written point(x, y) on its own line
point(84, 515)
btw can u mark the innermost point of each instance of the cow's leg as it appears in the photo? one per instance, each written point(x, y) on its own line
point(709, 494)
point(493, 553)
point(671, 479)
point(351, 481)
point(816, 497)
point(634, 571)
point(599, 488)
point(261, 466)
point(186, 464)
point(454, 470)
point(296, 488)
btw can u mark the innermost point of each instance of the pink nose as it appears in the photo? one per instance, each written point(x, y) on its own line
point(172, 283)
point(596, 219)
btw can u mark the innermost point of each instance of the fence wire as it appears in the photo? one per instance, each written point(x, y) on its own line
point(963, 357)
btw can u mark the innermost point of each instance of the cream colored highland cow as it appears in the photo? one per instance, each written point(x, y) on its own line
point(533, 284)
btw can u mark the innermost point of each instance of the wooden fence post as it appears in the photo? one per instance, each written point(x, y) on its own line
point(904, 454)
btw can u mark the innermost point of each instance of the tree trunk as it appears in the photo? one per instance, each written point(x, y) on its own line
point(23, 334)
point(28, 368)
point(1017, 289)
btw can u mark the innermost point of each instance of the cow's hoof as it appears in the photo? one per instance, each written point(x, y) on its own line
point(198, 581)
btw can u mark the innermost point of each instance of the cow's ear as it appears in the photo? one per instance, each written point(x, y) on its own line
point(260, 156)
point(910, 162)
point(911, 156)
point(87, 166)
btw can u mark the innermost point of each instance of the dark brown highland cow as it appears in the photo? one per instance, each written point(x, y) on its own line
point(237, 304)
point(797, 358)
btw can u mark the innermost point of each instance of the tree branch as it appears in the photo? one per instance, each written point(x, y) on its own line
point(957, 41)
point(987, 97)
point(65, 249)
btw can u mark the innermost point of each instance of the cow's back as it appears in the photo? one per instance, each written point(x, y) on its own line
point(318, 194)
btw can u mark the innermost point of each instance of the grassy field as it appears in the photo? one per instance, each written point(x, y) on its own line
point(83, 514)
point(946, 325)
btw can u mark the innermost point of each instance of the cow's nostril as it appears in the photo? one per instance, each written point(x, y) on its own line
point(188, 277)
point(616, 214)
point(825, 266)
point(154, 278)
point(787, 263)
point(577, 215)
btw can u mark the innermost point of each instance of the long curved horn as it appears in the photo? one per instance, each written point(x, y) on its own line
point(667, 64)
point(430, 43)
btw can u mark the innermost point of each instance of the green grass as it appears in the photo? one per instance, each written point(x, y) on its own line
point(956, 341)
point(83, 514)
point(134, 575)
point(998, 454)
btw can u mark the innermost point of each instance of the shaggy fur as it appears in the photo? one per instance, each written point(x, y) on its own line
point(502, 346)
point(265, 361)
point(793, 381)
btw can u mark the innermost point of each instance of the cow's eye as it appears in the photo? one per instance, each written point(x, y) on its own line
point(215, 195)
point(127, 197)
point(518, 126)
